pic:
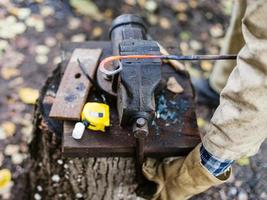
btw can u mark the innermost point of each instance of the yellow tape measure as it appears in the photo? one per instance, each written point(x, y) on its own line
point(94, 116)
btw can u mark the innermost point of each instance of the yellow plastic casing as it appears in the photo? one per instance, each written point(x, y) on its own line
point(97, 115)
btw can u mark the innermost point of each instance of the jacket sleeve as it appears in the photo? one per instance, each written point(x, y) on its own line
point(239, 125)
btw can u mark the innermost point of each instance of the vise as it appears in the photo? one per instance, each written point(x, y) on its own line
point(135, 85)
point(146, 118)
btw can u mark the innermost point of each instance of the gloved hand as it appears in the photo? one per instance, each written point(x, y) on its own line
point(181, 178)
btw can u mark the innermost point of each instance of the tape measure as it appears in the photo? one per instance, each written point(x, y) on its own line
point(94, 116)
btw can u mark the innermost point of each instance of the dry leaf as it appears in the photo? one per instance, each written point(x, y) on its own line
point(86, 7)
point(174, 86)
point(165, 23)
point(17, 158)
point(78, 38)
point(47, 11)
point(180, 6)
point(97, 32)
point(151, 6)
point(9, 72)
point(201, 122)
point(11, 149)
point(42, 49)
point(41, 59)
point(206, 65)
point(73, 23)
point(216, 31)
point(9, 128)
point(243, 161)
point(28, 95)
point(36, 22)
point(5, 177)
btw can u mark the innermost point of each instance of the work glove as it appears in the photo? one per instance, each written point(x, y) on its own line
point(181, 178)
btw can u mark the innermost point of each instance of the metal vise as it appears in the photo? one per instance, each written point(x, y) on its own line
point(137, 81)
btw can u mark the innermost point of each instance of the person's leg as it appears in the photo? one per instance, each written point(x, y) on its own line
point(208, 90)
point(238, 126)
point(232, 44)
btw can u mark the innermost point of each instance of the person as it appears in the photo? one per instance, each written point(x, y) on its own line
point(238, 126)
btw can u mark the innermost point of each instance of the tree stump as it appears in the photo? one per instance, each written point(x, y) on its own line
point(52, 176)
point(55, 177)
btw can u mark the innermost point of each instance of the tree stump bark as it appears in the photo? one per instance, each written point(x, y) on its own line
point(54, 177)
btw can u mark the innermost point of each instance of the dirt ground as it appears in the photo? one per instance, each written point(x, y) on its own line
point(30, 35)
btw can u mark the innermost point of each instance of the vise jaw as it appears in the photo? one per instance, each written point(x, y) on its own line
point(139, 78)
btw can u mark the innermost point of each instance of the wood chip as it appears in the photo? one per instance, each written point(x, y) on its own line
point(174, 86)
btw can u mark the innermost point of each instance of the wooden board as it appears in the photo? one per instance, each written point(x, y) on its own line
point(74, 86)
point(172, 139)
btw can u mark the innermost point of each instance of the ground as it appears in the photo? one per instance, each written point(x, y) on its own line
point(30, 35)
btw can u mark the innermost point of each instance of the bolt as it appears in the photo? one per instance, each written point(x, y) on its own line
point(140, 122)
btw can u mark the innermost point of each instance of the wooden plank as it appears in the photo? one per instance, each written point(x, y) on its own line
point(74, 86)
point(172, 140)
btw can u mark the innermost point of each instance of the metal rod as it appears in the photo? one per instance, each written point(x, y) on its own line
point(199, 57)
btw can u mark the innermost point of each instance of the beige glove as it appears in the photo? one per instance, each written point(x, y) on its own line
point(182, 178)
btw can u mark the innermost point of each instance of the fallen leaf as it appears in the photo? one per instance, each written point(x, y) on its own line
point(108, 13)
point(180, 7)
point(97, 32)
point(185, 35)
point(21, 13)
point(17, 158)
point(11, 149)
point(55, 178)
point(10, 27)
point(50, 41)
point(78, 38)
point(9, 72)
point(9, 128)
point(47, 11)
point(182, 17)
point(5, 177)
point(151, 6)
point(165, 23)
point(130, 2)
point(86, 7)
point(216, 31)
point(195, 45)
point(201, 122)
point(73, 23)
point(193, 3)
point(41, 59)
point(174, 86)
point(28, 95)
point(36, 22)
point(152, 19)
point(42, 49)
point(243, 161)
point(206, 65)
